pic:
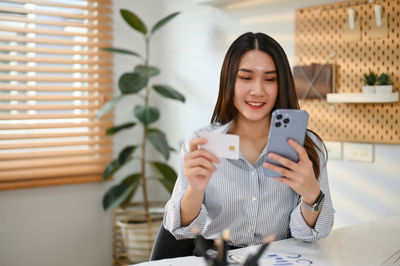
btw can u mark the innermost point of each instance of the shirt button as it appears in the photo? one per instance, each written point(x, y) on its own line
point(250, 228)
point(253, 173)
point(253, 198)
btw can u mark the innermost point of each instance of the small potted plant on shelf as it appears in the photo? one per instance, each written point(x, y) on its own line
point(139, 222)
point(383, 84)
point(369, 81)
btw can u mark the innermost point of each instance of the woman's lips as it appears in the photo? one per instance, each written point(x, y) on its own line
point(255, 105)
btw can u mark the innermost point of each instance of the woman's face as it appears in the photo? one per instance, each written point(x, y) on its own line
point(256, 86)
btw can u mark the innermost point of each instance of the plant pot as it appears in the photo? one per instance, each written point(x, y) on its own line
point(383, 88)
point(368, 89)
point(136, 233)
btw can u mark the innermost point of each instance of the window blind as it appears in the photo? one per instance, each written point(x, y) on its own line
point(53, 79)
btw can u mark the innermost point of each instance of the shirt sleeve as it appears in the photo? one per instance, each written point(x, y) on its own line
point(298, 226)
point(172, 216)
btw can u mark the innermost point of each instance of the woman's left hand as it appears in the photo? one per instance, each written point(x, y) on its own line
point(299, 176)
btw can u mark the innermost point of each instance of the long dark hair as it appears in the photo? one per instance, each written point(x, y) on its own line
point(225, 111)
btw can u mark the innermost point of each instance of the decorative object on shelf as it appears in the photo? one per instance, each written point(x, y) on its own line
point(383, 84)
point(351, 29)
point(315, 80)
point(369, 81)
point(141, 221)
point(379, 24)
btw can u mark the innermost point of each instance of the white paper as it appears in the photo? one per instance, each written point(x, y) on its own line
point(281, 258)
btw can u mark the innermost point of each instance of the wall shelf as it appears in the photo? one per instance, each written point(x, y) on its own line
point(362, 97)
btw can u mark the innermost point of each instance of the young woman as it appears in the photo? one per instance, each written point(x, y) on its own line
point(215, 194)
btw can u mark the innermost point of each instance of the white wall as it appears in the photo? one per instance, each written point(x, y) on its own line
point(65, 225)
point(61, 225)
point(366, 191)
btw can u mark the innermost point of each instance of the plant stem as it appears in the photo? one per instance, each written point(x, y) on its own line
point(143, 159)
point(144, 186)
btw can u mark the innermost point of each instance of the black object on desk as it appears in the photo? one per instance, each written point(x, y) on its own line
point(219, 257)
point(213, 257)
point(166, 246)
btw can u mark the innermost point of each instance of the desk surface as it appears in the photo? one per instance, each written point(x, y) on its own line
point(373, 243)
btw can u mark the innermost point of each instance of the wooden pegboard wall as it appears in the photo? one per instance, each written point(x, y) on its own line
point(318, 34)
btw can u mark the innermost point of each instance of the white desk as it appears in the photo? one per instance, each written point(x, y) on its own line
point(371, 243)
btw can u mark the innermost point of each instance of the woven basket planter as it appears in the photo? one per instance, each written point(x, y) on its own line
point(133, 234)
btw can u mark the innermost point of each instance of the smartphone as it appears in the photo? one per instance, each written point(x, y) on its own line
point(285, 124)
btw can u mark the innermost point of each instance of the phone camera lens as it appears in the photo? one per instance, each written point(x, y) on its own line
point(279, 116)
point(278, 124)
point(286, 120)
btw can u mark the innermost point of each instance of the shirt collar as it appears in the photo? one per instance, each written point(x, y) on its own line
point(223, 129)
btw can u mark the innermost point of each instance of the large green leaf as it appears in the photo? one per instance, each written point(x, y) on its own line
point(146, 115)
point(111, 168)
point(133, 20)
point(169, 92)
point(113, 130)
point(116, 195)
point(163, 21)
point(132, 83)
point(172, 149)
point(125, 155)
point(120, 51)
point(135, 180)
point(108, 106)
point(168, 174)
point(152, 70)
point(168, 185)
point(164, 169)
point(159, 141)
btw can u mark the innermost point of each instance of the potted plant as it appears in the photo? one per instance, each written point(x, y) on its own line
point(137, 83)
point(369, 81)
point(383, 84)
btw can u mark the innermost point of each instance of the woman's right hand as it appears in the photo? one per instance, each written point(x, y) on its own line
point(199, 165)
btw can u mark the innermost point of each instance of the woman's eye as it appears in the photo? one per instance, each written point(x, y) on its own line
point(270, 79)
point(245, 78)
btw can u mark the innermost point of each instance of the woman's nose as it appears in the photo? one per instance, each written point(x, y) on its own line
point(257, 88)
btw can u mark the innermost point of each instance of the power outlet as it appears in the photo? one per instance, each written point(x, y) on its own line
point(359, 152)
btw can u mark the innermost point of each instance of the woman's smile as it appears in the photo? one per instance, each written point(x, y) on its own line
point(255, 104)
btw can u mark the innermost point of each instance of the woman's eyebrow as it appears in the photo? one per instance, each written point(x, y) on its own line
point(251, 71)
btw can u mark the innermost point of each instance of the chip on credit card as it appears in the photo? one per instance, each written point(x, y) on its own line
point(222, 145)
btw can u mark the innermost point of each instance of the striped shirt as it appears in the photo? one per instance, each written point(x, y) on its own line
point(239, 197)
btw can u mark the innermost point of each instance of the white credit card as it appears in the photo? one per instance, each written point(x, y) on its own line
point(222, 145)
